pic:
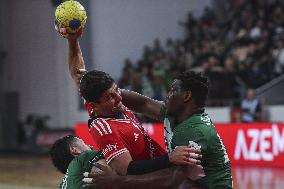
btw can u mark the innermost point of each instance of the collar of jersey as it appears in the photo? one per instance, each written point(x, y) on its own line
point(193, 118)
point(116, 116)
point(190, 118)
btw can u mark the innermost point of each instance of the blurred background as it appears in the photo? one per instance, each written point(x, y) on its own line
point(238, 44)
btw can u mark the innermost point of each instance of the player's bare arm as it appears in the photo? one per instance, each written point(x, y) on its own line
point(164, 179)
point(120, 163)
point(182, 155)
point(142, 104)
point(75, 57)
point(75, 60)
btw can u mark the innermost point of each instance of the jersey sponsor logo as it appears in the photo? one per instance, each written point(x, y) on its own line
point(136, 135)
point(102, 127)
point(259, 144)
point(109, 148)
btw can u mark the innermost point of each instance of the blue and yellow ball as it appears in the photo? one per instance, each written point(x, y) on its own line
point(71, 15)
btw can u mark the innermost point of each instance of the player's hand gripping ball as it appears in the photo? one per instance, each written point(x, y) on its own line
point(70, 15)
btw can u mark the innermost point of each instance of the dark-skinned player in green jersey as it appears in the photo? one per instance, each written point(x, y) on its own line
point(186, 123)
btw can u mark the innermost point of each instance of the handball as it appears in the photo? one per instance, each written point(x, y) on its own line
point(70, 15)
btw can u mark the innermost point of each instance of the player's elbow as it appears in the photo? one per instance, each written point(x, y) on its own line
point(120, 163)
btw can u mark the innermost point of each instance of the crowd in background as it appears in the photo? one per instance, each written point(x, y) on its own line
point(240, 47)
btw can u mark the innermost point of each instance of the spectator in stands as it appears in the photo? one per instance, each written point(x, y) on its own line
point(215, 74)
point(251, 108)
point(125, 80)
point(250, 31)
point(278, 54)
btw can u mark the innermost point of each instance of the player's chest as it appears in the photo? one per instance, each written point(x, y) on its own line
point(130, 131)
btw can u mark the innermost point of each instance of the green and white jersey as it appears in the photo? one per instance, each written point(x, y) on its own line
point(198, 130)
point(79, 165)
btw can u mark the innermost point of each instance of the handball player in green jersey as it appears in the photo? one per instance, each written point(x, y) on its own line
point(72, 157)
point(186, 123)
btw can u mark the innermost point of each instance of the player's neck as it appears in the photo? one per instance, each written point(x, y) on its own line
point(188, 112)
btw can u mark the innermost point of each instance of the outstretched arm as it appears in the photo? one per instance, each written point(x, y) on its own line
point(182, 155)
point(142, 104)
point(164, 179)
point(75, 60)
point(75, 57)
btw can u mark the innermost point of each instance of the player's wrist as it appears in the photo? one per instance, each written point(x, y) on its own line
point(73, 40)
point(170, 157)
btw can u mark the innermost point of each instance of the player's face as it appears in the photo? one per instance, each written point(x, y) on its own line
point(110, 102)
point(174, 100)
point(81, 145)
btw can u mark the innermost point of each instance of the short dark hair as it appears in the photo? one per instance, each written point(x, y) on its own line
point(93, 84)
point(60, 153)
point(197, 84)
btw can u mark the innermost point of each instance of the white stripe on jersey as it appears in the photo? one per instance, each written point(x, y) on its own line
point(122, 120)
point(108, 160)
point(95, 126)
point(64, 181)
point(102, 126)
point(108, 127)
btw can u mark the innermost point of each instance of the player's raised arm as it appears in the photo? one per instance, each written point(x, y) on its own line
point(75, 60)
point(75, 57)
point(70, 19)
point(142, 104)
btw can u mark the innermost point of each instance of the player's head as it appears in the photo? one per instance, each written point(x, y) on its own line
point(100, 91)
point(189, 90)
point(65, 149)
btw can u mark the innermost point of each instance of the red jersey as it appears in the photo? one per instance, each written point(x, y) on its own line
point(115, 136)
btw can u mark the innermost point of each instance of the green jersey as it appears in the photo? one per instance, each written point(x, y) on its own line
point(198, 130)
point(80, 164)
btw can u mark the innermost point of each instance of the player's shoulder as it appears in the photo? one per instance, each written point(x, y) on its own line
point(101, 126)
point(75, 166)
point(199, 124)
point(197, 120)
point(90, 155)
point(110, 122)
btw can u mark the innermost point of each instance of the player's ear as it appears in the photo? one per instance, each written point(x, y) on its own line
point(187, 96)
